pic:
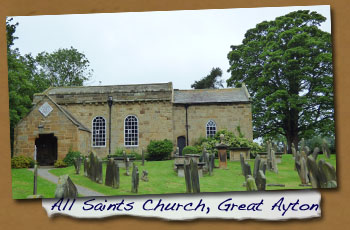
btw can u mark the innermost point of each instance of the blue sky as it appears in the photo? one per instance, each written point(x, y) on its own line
point(149, 47)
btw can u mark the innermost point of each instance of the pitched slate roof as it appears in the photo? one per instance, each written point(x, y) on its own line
point(205, 96)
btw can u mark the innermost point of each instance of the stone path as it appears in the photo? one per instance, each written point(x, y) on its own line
point(44, 173)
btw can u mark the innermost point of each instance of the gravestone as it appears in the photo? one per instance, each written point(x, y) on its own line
point(273, 162)
point(94, 168)
point(144, 176)
point(211, 164)
point(127, 166)
point(65, 188)
point(35, 179)
point(86, 166)
point(112, 174)
point(315, 153)
point(328, 178)
point(256, 165)
point(313, 172)
point(222, 152)
point(247, 170)
point(143, 157)
point(260, 181)
point(187, 172)
point(194, 177)
point(251, 186)
point(325, 149)
point(303, 172)
point(135, 179)
point(263, 166)
point(99, 174)
point(294, 151)
point(77, 164)
point(241, 159)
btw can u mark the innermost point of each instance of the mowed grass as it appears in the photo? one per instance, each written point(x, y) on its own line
point(22, 185)
point(164, 180)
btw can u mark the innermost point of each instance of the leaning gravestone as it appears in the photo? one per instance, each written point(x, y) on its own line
point(325, 149)
point(77, 164)
point(251, 186)
point(135, 179)
point(256, 165)
point(65, 188)
point(328, 178)
point(313, 172)
point(247, 170)
point(260, 181)
point(94, 168)
point(303, 174)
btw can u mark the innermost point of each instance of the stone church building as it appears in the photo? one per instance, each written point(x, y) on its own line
point(104, 118)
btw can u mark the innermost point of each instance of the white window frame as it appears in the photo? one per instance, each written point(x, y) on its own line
point(206, 128)
point(92, 134)
point(137, 128)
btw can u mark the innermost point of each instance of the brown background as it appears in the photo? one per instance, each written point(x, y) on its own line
point(30, 215)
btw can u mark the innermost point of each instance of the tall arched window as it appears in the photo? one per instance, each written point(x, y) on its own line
point(211, 128)
point(131, 131)
point(98, 132)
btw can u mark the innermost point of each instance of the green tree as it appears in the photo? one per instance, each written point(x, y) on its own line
point(287, 67)
point(211, 81)
point(64, 67)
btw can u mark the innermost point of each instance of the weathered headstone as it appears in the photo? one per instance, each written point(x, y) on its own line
point(99, 174)
point(247, 170)
point(144, 176)
point(194, 177)
point(211, 164)
point(260, 181)
point(274, 167)
point(251, 186)
point(143, 157)
point(328, 178)
point(222, 152)
point(325, 149)
point(65, 188)
point(77, 164)
point(263, 166)
point(294, 151)
point(187, 172)
point(86, 166)
point(303, 172)
point(112, 174)
point(315, 153)
point(127, 167)
point(241, 158)
point(313, 172)
point(35, 179)
point(135, 179)
point(256, 165)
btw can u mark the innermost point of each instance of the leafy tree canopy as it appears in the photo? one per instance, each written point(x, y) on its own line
point(211, 81)
point(64, 67)
point(287, 67)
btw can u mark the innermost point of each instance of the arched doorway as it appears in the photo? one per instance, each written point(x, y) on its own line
point(181, 143)
point(46, 147)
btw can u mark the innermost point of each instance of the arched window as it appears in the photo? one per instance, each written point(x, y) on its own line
point(131, 131)
point(98, 132)
point(211, 128)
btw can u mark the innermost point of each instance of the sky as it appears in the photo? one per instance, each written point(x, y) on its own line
point(149, 47)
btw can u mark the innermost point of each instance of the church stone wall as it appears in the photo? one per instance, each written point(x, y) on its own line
point(154, 119)
point(56, 122)
point(226, 116)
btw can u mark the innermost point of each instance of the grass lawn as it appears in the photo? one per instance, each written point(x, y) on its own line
point(22, 185)
point(163, 179)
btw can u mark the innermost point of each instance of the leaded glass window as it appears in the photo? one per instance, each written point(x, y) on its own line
point(99, 132)
point(131, 131)
point(211, 128)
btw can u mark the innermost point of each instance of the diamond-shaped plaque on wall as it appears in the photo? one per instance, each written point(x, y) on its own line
point(45, 109)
